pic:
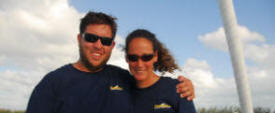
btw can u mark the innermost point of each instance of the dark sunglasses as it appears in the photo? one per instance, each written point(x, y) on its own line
point(145, 57)
point(93, 38)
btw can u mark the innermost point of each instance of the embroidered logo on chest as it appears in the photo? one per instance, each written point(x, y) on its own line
point(116, 88)
point(163, 105)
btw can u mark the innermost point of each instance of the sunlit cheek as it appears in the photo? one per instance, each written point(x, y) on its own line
point(86, 47)
point(149, 66)
point(83, 48)
point(132, 65)
point(107, 50)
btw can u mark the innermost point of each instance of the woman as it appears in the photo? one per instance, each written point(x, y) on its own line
point(153, 94)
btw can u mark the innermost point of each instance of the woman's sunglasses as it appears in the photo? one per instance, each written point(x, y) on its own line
point(145, 57)
point(93, 38)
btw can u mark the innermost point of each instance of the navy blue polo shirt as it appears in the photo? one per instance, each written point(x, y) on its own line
point(68, 90)
point(161, 97)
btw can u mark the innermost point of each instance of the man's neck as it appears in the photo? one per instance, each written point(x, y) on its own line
point(81, 67)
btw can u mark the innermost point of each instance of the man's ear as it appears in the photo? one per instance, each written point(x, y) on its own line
point(113, 44)
point(79, 37)
point(126, 58)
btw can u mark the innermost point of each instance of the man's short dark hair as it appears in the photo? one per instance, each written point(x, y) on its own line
point(98, 18)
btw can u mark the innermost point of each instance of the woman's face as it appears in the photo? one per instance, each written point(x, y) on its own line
point(141, 58)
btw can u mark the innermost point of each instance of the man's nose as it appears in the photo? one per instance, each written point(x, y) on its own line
point(98, 44)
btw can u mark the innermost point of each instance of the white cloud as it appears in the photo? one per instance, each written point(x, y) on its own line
point(260, 74)
point(16, 87)
point(36, 35)
point(200, 72)
point(2, 59)
point(213, 91)
point(261, 53)
point(255, 48)
point(217, 38)
point(118, 56)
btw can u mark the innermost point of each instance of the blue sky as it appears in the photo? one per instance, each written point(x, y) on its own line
point(40, 36)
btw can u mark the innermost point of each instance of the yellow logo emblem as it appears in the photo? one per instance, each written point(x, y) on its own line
point(162, 106)
point(116, 87)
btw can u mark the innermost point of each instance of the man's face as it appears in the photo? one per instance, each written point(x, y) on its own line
point(94, 55)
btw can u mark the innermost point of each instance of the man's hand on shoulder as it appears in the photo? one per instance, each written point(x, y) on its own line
point(185, 88)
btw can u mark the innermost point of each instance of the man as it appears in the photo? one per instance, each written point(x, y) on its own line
point(89, 85)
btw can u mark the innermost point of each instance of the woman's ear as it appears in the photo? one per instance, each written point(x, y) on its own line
point(155, 58)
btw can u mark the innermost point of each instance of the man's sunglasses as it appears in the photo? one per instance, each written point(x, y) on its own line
point(106, 41)
point(145, 57)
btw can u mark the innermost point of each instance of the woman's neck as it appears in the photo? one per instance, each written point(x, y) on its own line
point(148, 82)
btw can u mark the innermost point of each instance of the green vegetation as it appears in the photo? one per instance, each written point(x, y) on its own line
point(9, 111)
point(200, 110)
point(232, 110)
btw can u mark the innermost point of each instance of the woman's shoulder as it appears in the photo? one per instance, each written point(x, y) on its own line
point(169, 81)
point(167, 84)
point(168, 89)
